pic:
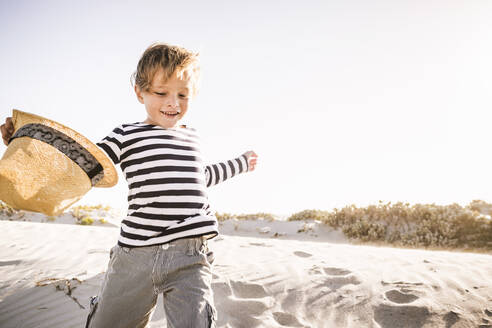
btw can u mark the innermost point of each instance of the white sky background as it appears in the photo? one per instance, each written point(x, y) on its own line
point(345, 102)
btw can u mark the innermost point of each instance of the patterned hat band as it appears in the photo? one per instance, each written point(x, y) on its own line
point(76, 152)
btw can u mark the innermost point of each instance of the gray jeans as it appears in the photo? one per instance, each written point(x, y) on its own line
point(180, 270)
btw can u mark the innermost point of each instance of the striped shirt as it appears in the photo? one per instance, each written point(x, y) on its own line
point(167, 182)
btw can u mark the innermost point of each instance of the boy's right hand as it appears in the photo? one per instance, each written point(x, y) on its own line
point(7, 130)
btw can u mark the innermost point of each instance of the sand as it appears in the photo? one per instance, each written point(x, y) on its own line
point(267, 274)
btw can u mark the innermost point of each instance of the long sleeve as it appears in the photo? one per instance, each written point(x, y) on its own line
point(217, 173)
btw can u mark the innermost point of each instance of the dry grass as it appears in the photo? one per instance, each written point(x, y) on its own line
point(419, 225)
point(84, 214)
point(6, 209)
point(254, 216)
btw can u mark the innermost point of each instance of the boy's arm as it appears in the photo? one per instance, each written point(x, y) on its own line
point(222, 171)
point(112, 145)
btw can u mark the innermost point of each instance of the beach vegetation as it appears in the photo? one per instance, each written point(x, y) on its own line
point(86, 221)
point(6, 209)
point(419, 225)
point(84, 214)
point(253, 216)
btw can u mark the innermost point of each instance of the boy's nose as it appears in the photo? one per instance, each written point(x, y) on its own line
point(172, 103)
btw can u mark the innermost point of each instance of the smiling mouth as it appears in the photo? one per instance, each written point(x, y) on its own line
point(170, 113)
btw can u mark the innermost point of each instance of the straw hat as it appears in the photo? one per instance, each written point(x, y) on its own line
point(47, 166)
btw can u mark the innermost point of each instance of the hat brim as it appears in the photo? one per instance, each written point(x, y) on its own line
point(110, 177)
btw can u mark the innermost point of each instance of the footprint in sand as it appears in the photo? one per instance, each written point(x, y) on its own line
point(302, 254)
point(335, 283)
point(239, 312)
point(286, 319)
point(451, 318)
point(396, 296)
point(388, 316)
point(486, 322)
point(246, 290)
point(336, 271)
point(240, 303)
point(260, 244)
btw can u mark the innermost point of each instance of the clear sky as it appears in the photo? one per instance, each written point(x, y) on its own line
point(345, 102)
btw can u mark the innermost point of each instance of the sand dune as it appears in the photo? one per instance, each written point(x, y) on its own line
point(309, 279)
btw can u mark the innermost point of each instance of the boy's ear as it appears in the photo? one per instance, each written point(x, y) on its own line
point(138, 92)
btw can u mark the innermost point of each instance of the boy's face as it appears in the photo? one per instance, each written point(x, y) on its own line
point(166, 101)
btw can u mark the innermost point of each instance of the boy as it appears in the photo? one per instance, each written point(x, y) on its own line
point(162, 247)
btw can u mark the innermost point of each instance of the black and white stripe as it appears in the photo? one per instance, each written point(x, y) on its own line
point(167, 183)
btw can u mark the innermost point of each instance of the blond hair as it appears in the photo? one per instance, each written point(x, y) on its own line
point(171, 60)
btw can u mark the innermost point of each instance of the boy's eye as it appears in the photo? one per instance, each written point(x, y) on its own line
point(183, 96)
point(160, 93)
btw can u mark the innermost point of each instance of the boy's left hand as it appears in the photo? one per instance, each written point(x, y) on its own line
point(251, 156)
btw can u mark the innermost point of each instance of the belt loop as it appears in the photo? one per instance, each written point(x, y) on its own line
point(198, 245)
point(191, 246)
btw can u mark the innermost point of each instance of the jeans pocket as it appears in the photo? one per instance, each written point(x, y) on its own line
point(112, 251)
point(206, 251)
point(199, 246)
